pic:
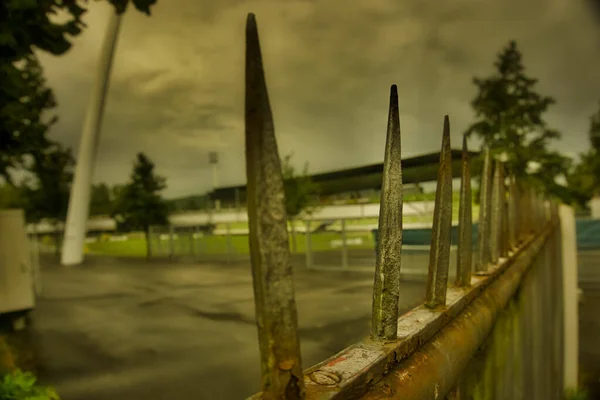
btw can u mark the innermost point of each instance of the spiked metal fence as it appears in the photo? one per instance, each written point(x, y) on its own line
point(495, 332)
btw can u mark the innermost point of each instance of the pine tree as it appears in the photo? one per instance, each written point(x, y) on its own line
point(48, 197)
point(584, 181)
point(139, 204)
point(509, 120)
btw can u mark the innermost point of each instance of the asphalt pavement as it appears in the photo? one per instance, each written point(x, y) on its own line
point(122, 329)
point(162, 330)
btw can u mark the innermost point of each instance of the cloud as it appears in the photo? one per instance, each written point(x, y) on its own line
point(177, 86)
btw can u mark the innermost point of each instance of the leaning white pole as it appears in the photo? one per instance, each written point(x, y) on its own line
point(79, 201)
point(571, 312)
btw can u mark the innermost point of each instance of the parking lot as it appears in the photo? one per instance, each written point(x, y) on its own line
point(158, 330)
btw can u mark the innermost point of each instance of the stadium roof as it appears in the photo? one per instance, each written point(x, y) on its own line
point(418, 169)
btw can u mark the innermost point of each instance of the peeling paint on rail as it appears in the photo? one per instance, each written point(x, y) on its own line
point(360, 366)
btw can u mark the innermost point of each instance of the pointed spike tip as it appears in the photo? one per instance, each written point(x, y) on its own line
point(394, 98)
point(251, 24)
point(465, 146)
point(446, 134)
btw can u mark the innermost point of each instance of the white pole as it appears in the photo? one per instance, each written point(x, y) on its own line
point(571, 312)
point(79, 200)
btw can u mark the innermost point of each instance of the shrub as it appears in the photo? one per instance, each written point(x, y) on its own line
point(19, 385)
point(576, 394)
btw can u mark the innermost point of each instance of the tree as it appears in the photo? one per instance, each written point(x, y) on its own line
point(584, 181)
point(48, 197)
point(11, 196)
point(509, 120)
point(24, 97)
point(26, 26)
point(299, 193)
point(139, 204)
point(101, 201)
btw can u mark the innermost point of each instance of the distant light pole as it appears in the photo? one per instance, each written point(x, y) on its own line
point(79, 200)
point(213, 159)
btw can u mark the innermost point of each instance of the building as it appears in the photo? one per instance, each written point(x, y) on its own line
point(360, 184)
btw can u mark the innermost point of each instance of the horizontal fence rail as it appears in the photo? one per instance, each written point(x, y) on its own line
point(491, 333)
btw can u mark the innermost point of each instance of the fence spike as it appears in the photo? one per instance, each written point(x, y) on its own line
point(276, 313)
point(439, 256)
point(496, 217)
point(386, 286)
point(483, 229)
point(504, 240)
point(525, 211)
point(533, 206)
point(513, 209)
point(464, 254)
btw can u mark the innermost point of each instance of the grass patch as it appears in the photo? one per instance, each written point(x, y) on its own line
point(184, 243)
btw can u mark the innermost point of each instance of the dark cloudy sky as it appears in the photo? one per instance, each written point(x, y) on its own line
point(177, 85)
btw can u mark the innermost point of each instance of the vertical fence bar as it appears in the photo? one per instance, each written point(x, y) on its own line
point(192, 242)
point(149, 237)
point(156, 237)
point(525, 211)
point(308, 246)
point(465, 222)
point(504, 240)
point(569, 291)
point(171, 241)
point(483, 230)
point(495, 230)
point(228, 243)
point(439, 255)
point(386, 286)
point(276, 313)
point(513, 220)
point(196, 241)
point(344, 245)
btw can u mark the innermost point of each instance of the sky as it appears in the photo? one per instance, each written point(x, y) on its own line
point(177, 85)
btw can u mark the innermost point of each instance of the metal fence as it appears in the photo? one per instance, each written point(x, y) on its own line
point(495, 331)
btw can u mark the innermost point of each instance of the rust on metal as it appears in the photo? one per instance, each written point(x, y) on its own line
point(496, 214)
point(483, 228)
point(464, 254)
point(364, 363)
point(434, 368)
point(386, 287)
point(439, 255)
point(276, 313)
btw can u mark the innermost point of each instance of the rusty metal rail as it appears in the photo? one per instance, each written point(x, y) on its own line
point(423, 353)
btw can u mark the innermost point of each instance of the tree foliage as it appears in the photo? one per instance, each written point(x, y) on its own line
point(101, 201)
point(584, 180)
point(48, 197)
point(139, 204)
point(510, 121)
point(300, 190)
point(27, 26)
point(299, 193)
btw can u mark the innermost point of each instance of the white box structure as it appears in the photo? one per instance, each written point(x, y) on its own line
point(17, 284)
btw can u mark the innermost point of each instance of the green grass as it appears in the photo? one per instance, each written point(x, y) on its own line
point(135, 246)
point(213, 245)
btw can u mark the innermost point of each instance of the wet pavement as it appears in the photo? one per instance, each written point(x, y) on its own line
point(123, 329)
point(158, 330)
